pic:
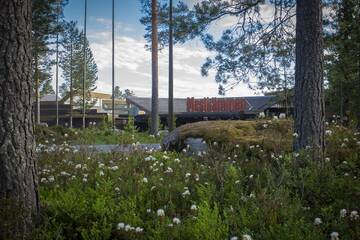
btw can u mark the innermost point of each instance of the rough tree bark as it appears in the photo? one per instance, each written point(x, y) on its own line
point(155, 71)
point(309, 85)
point(37, 88)
point(18, 181)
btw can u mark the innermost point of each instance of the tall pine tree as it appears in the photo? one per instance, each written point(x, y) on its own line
point(45, 27)
point(72, 64)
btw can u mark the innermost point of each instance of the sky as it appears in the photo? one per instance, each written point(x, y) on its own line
point(133, 61)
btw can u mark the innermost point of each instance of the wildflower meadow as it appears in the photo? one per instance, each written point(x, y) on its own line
point(231, 191)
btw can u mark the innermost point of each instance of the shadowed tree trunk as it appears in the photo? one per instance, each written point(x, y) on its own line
point(155, 82)
point(37, 88)
point(309, 84)
point(18, 184)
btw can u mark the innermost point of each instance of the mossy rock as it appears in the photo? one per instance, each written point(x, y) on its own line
point(273, 135)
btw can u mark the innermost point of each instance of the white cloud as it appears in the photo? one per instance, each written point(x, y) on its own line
point(133, 67)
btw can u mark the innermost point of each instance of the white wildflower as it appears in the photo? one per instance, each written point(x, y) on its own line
point(139, 230)
point(234, 238)
point(101, 173)
point(295, 135)
point(343, 213)
point(127, 227)
point(186, 193)
point(334, 236)
point(197, 177)
point(51, 178)
point(246, 237)
point(193, 207)
point(176, 220)
point(354, 215)
point(63, 173)
point(145, 180)
point(114, 168)
point(120, 226)
point(328, 132)
point(160, 212)
point(150, 158)
point(317, 221)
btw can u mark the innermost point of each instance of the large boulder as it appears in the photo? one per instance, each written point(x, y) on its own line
point(271, 134)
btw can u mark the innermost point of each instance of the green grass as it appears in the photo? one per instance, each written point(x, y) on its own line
point(93, 135)
point(229, 191)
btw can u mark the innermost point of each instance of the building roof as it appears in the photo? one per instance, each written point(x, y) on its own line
point(117, 101)
point(100, 95)
point(144, 104)
point(256, 103)
point(49, 98)
point(260, 103)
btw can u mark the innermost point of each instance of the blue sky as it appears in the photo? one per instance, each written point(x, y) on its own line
point(132, 61)
point(127, 12)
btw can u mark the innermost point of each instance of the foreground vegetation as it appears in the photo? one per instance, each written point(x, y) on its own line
point(232, 191)
point(93, 135)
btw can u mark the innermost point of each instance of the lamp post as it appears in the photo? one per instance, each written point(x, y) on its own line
point(113, 64)
point(171, 69)
point(84, 71)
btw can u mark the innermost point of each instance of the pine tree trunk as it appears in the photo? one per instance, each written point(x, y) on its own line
point(18, 183)
point(155, 74)
point(309, 84)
